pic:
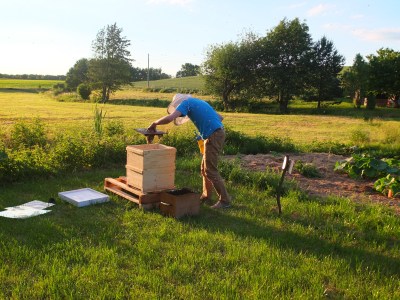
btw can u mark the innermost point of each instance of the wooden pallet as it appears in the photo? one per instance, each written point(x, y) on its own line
point(120, 187)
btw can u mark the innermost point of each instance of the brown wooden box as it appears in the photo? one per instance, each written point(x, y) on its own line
point(151, 180)
point(151, 167)
point(150, 156)
point(178, 203)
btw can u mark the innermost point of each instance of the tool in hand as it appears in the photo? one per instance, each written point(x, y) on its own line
point(149, 134)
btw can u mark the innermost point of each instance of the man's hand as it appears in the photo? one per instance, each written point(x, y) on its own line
point(152, 127)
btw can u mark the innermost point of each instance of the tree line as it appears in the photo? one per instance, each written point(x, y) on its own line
point(283, 64)
point(286, 63)
point(33, 76)
point(378, 76)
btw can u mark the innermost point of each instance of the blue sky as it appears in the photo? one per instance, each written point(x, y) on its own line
point(49, 36)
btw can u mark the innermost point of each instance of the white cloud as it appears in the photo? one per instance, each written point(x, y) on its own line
point(388, 34)
point(319, 9)
point(170, 2)
point(297, 5)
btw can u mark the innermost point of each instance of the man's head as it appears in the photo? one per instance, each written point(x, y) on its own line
point(176, 100)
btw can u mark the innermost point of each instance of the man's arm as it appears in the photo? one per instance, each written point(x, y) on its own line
point(164, 120)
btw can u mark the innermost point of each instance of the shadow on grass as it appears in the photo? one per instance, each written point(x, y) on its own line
point(222, 221)
point(141, 102)
point(21, 90)
point(101, 225)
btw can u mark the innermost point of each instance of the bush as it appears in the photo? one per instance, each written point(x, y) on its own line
point(237, 142)
point(308, 170)
point(113, 128)
point(28, 135)
point(84, 91)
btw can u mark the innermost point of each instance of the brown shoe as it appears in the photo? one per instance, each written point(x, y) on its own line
point(221, 204)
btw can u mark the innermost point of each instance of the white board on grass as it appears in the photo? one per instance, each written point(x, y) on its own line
point(83, 197)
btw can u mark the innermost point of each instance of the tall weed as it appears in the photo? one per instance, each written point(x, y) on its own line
point(98, 120)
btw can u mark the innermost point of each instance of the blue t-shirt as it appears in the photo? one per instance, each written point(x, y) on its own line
point(204, 117)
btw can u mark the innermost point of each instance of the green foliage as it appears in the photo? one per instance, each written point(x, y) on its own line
point(111, 67)
point(228, 69)
point(28, 135)
point(84, 91)
point(237, 142)
point(114, 127)
point(187, 70)
point(384, 74)
point(364, 166)
point(360, 137)
point(285, 67)
point(78, 74)
point(355, 80)
point(327, 63)
point(98, 120)
point(184, 142)
point(390, 182)
point(188, 83)
point(307, 169)
point(371, 102)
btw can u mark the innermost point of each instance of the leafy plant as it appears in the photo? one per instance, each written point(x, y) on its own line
point(84, 91)
point(98, 120)
point(307, 169)
point(390, 182)
point(114, 128)
point(28, 135)
point(364, 166)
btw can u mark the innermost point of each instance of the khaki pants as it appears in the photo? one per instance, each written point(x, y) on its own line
point(209, 167)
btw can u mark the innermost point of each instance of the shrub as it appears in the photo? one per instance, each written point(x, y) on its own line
point(84, 91)
point(114, 128)
point(28, 135)
point(237, 142)
point(308, 170)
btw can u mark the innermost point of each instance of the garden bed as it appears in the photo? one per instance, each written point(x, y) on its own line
point(330, 182)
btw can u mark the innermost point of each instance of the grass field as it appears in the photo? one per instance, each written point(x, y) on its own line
point(195, 82)
point(302, 129)
point(27, 84)
point(331, 248)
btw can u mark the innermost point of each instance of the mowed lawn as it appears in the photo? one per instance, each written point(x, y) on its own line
point(331, 248)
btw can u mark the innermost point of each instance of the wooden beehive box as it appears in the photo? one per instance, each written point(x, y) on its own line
point(179, 203)
point(150, 167)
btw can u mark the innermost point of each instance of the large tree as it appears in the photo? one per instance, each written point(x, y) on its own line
point(326, 65)
point(188, 69)
point(385, 72)
point(355, 80)
point(229, 69)
point(111, 66)
point(77, 74)
point(285, 61)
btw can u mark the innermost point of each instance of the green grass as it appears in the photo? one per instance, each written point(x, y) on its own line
point(193, 82)
point(27, 84)
point(332, 248)
point(306, 130)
